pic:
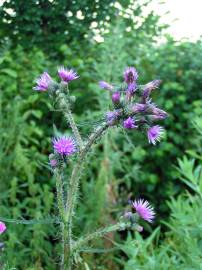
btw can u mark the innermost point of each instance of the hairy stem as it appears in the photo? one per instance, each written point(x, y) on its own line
point(100, 233)
point(60, 199)
point(74, 181)
point(65, 106)
point(61, 208)
point(74, 128)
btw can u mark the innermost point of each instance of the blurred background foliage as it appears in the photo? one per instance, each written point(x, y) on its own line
point(99, 39)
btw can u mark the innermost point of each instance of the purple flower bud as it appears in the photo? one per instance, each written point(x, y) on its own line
point(139, 108)
point(129, 123)
point(130, 75)
point(131, 88)
point(64, 145)
point(112, 116)
point(149, 87)
point(128, 215)
point(139, 228)
point(67, 75)
point(43, 82)
point(2, 227)
point(53, 162)
point(116, 96)
point(158, 113)
point(154, 134)
point(105, 85)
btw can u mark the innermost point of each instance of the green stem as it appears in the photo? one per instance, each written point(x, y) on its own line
point(100, 233)
point(74, 181)
point(60, 199)
point(61, 208)
point(65, 106)
point(73, 126)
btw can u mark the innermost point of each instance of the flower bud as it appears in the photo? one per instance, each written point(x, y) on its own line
point(139, 108)
point(53, 160)
point(116, 96)
point(149, 87)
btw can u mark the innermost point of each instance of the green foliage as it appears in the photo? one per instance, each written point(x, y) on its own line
point(181, 245)
point(49, 24)
point(26, 192)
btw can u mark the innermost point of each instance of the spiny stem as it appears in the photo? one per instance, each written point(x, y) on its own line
point(60, 199)
point(73, 126)
point(74, 181)
point(100, 232)
point(65, 105)
point(61, 207)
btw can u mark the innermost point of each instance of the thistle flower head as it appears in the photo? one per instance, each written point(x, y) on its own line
point(105, 85)
point(43, 82)
point(116, 97)
point(129, 123)
point(67, 75)
point(144, 209)
point(130, 75)
point(64, 145)
point(2, 227)
point(154, 134)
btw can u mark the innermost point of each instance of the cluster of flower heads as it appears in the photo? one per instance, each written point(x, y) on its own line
point(140, 114)
point(2, 227)
point(63, 146)
point(44, 82)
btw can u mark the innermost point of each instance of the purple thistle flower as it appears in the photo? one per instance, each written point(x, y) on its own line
point(67, 75)
point(43, 82)
point(64, 145)
point(129, 123)
point(154, 134)
point(105, 85)
point(144, 209)
point(130, 75)
point(116, 97)
point(2, 227)
point(139, 108)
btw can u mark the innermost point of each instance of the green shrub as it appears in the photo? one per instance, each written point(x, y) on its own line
point(180, 247)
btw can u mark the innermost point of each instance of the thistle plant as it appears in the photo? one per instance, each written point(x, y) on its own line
point(131, 108)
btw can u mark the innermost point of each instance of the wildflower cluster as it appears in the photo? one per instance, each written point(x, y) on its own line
point(133, 107)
